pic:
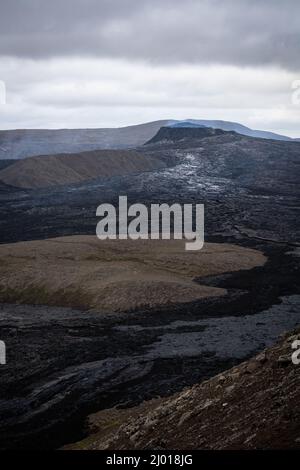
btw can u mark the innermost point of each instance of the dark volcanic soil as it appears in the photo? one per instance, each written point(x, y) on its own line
point(250, 188)
point(64, 364)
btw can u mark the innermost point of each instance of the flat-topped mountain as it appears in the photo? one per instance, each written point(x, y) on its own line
point(51, 170)
point(177, 133)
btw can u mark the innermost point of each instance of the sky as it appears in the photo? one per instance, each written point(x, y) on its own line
point(110, 63)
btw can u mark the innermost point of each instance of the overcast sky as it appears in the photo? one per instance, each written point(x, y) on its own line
point(102, 63)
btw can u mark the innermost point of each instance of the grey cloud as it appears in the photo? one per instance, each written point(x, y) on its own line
point(252, 32)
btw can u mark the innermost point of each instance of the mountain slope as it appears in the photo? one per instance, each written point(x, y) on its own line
point(17, 144)
point(51, 170)
point(255, 405)
point(239, 128)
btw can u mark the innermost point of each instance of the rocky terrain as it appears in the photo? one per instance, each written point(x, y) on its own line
point(64, 169)
point(249, 187)
point(67, 363)
point(232, 126)
point(64, 364)
point(255, 405)
point(171, 134)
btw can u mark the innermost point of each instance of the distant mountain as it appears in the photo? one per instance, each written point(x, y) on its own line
point(17, 144)
point(52, 170)
point(239, 128)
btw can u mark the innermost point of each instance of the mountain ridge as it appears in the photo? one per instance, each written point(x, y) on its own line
point(23, 143)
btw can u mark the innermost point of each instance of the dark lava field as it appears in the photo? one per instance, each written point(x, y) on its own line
point(63, 363)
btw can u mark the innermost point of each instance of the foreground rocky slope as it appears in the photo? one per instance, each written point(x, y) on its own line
point(65, 364)
point(253, 405)
point(176, 134)
point(64, 169)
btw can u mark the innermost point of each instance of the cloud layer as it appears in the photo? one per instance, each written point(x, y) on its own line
point(85, 92)
point(95, 63)
point(243, 32)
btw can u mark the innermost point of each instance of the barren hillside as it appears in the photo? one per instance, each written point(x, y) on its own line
point(114, 275)
point(23, 143)
point(254, 405)
point(51, 170)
